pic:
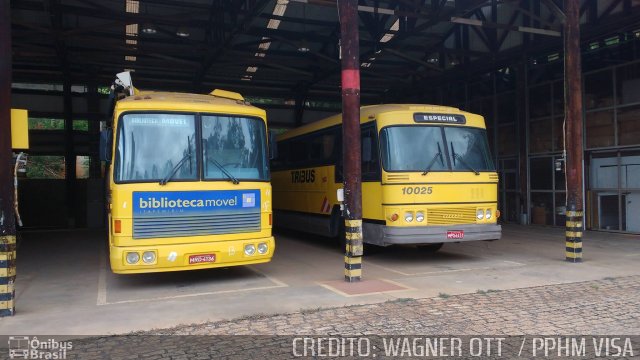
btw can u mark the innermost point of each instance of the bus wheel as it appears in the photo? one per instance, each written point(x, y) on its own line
point(430, 248)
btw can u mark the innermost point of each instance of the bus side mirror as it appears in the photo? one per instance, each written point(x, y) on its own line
point(106, 141)
point(273, 146)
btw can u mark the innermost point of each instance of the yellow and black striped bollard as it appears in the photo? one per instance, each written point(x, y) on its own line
point(353, 254)
point(7, 274)
point(574, 236)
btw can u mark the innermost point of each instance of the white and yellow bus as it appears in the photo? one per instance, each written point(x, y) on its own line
point(427, 177)
point(188, 182)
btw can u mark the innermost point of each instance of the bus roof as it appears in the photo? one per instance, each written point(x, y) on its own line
point(174, 101)
point(367, 114)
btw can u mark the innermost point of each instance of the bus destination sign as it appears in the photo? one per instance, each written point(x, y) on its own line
point(439, 118)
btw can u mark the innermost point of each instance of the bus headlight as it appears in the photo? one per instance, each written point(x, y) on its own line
point(149, 257)
point(133, 258)
point(479, 214)
point(408, 216)
point(263, 248)
point(419, 216)
point(249, 249)
point(487, 214)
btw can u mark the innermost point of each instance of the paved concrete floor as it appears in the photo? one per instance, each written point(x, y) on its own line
point(64, 285)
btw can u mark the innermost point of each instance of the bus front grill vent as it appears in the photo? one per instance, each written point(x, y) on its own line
point(450, 216)
point(391, 178)
point(195, 225)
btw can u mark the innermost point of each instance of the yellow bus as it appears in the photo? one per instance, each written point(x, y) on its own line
point(188, 182)
point(427, 177)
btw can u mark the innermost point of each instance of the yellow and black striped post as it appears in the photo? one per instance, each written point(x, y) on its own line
point(7, 215)
point(351, 154)
point(573, 146)
point(574, 236)
point(353, 253)
point(7, 274)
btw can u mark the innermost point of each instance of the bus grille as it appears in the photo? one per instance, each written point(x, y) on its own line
point(170, 226)
point(447, 216)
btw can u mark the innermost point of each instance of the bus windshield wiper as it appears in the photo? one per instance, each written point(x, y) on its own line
point(233, 179)
point(433, 161)
point(175, 169)
point(456, 156)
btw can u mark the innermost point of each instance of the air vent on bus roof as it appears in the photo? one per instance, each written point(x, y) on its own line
point(433, 108)
point(227, 94)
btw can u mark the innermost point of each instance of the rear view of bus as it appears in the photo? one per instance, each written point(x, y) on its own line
point(439, 183)
point(188, 183)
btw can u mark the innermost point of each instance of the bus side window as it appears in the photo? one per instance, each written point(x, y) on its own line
point(281, 162)
point(298, 152)
point(370, 161)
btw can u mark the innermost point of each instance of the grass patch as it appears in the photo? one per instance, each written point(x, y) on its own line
point(488, 291)
point(444, 295)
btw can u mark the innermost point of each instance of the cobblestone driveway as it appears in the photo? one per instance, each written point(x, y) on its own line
point(608, 306)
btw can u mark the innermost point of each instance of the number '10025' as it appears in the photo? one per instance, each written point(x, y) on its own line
point(418, 190)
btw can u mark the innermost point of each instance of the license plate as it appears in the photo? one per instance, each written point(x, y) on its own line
point(455, 234)
point(202, 258)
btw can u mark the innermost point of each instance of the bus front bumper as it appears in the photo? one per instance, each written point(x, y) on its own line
point(392, 235)
point(192, 256)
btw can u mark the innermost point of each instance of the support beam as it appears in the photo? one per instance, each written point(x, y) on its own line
point(7, 216)
point(69, 155)
point(348, 14)
point(522, 87)
point(573, 132)
point(93, 106)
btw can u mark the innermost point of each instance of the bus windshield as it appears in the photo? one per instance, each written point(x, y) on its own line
point(234, 148)
point(150, 147)
point(425, 149)
point(163, 147)
point(468, 148)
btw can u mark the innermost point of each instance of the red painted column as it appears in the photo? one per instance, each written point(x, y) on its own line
point(573, 132)
point(348, 14)
point(7, 216)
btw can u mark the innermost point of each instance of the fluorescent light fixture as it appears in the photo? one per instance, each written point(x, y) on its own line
point(252, 69)
point(149, 29)
point(304, 46)
point(131, 42)
point(130, 58)
point(182, 32)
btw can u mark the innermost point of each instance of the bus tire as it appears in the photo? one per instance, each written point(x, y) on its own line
point(430, 248)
